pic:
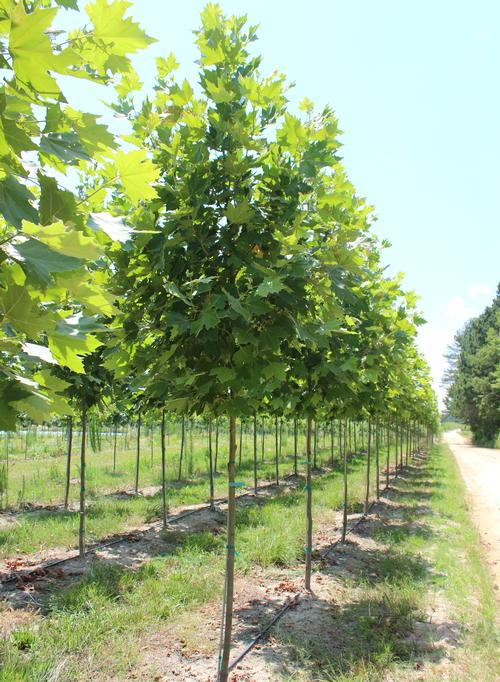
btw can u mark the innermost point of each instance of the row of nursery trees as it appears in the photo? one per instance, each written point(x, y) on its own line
point(222, 265)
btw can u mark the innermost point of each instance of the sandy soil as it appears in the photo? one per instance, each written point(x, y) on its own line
point(480, 469)
point(186, 648)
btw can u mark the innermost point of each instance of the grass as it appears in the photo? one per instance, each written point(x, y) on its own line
point(108, 515)
point(427, 557)
point(100, 621)
point(431, 559)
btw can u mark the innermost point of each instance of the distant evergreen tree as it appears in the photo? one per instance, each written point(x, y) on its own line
point(473, 375)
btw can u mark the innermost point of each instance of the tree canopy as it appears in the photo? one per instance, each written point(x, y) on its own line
point(473, 375)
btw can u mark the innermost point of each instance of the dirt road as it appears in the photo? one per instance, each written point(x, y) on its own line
point(480, 469)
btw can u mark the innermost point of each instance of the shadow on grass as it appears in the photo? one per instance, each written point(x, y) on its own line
point(377, 619)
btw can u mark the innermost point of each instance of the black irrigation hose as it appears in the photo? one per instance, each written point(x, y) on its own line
point(293, 601)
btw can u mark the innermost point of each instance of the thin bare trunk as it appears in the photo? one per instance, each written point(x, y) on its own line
point(227, 611)
point(309, 521)
point(368, 463)
point(210, 461)
point(255, 486)
point(276, 452)
point(295, 446)
point(241, 443)
point(163, 472)
point(81, 531)
point(315, 434)
point(216, 444)
point(396, 446)
point(114, 448)
point(68, 461)
point(344, 516)
point(138, 454)
point(331, 442)
point(263, 439)
point(183, 429)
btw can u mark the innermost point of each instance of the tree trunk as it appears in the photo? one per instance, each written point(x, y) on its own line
point(216, 444)
point(163, 472)
point(377, 456)
point(368, 463)
point(407, 442)
point(315, 436)
point(68, 461)
point(227, 610)
point(402, 435)
point(344, 518)
point(276, 453)
point(331, 442)
point(309, 521)
point(114, 448)
point(255, 485)
point(263, 439)
point(81, 532)
point(396, 470)
point(388, 463)
point(241, 443)
point(183, 428)
point(138, 454)
point(295, 446)
point(210, 461)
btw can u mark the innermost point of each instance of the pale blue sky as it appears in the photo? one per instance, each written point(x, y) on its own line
point(416, 88)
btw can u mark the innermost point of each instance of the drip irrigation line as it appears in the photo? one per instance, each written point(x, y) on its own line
point(294, 600)
point(291, 601)
point(124, 538)
point(116, 541)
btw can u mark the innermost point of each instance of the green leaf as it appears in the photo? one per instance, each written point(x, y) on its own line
point(350, 365)
point(122, 36)
point(15, 202)
point(237, 307)
point(275, 370)
point(40, 261)
point(137, 174)
point(55, 203)
point(66, 147)
point(31, 51)
point(10, 392)
point(224, 374)
point(111, 225)
point(239, 214)
point(207, 320)
point(20, 311)
point(271, 285)
point(66, 240)
point(16, 137)
point(68, 345)
point(166, 66)
point(219, 93)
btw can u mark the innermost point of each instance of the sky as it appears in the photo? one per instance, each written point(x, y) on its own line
point(415, 86)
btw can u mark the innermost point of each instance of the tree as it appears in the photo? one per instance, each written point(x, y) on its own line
point(49, 291)
point(473, 376)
